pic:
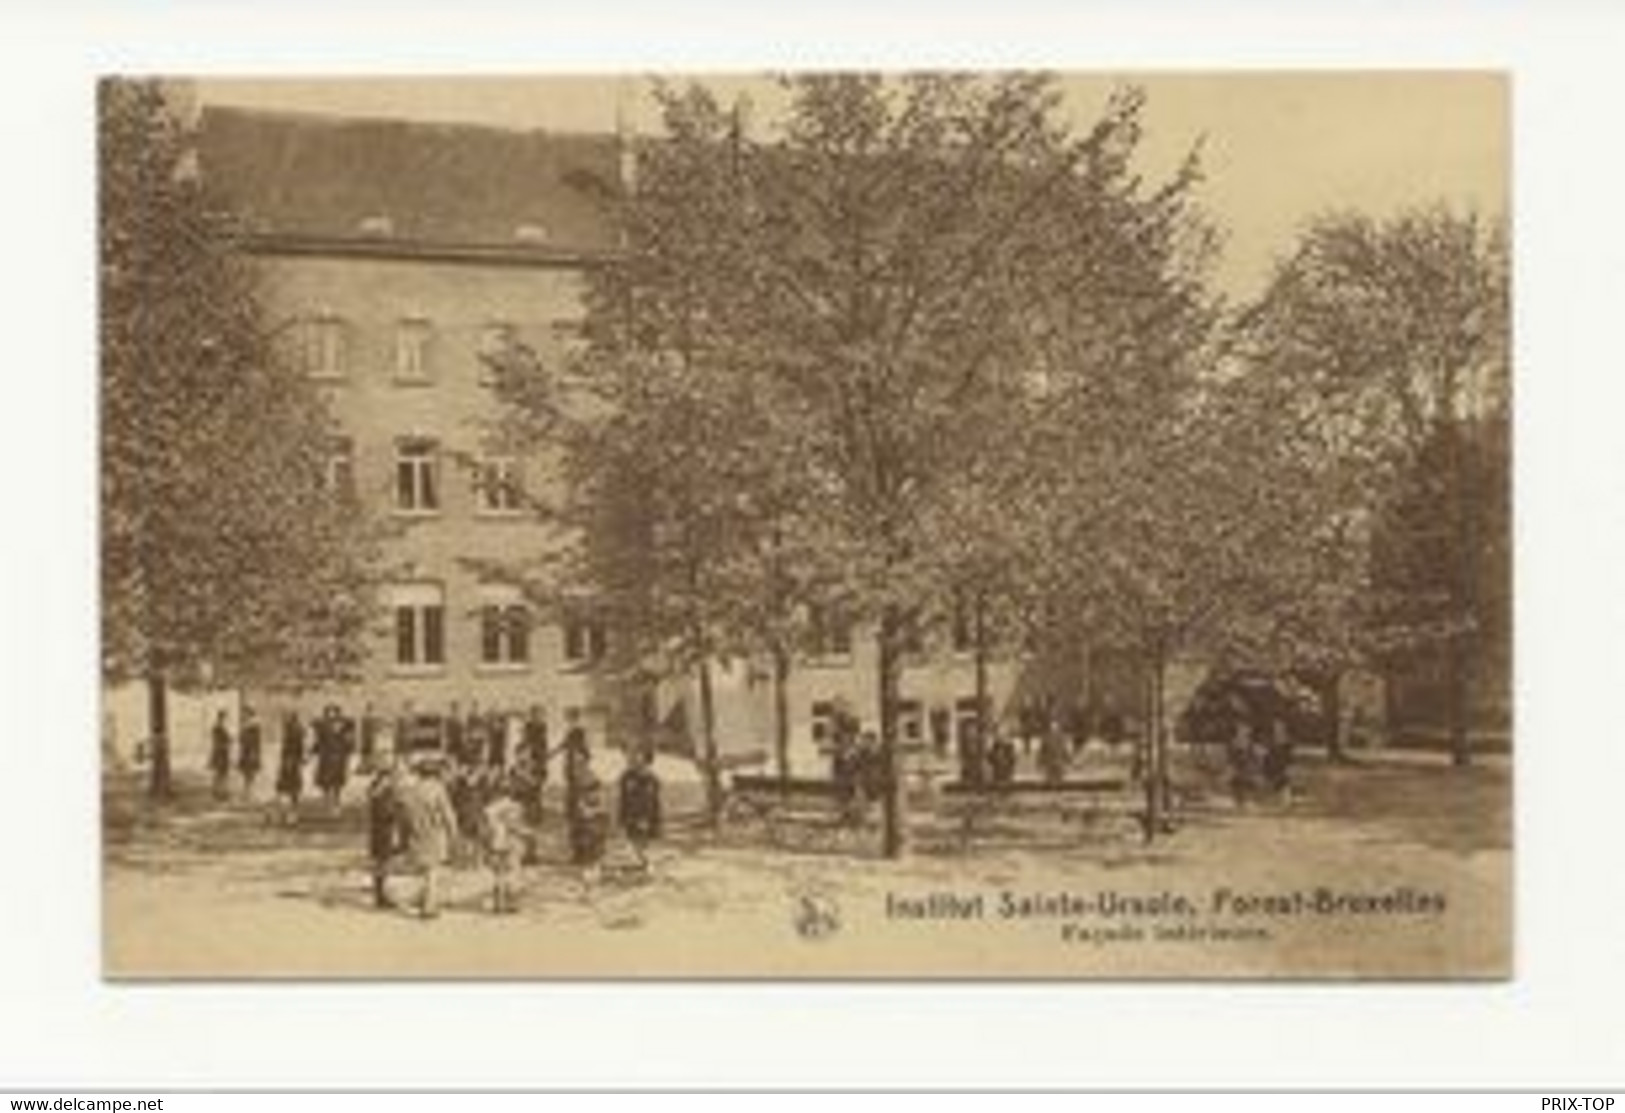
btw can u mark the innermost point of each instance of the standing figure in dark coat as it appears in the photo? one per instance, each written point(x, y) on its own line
point(1001, 762)
point(638, 805)
point(383, 827)
point(972, 755)
point(583, 800)
point(874, 771)
point(531, 774)
point(465, 789)
point(220, 757)
point(370, 727)
point(332, 746)
point(250, 744)
point(1276, 758)
point(1028, 722)
point(451, 734)
point(496, 740)
point(290, 767)
point(406, 731)
point(846, 775)
point(941, 724)
point(476, 736)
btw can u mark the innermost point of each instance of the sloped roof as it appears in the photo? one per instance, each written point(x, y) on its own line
point(435, 184)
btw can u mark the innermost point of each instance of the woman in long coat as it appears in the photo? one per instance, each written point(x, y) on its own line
point(587, 818)
point(220, 756)
point(332, 746)
point(248, 752)
point(290, 769)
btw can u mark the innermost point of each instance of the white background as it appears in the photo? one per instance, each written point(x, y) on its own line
point(1557, 1024)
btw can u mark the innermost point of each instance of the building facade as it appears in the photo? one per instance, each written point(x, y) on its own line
point(396, 257)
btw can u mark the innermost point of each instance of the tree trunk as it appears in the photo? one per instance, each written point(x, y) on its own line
point(1331, 710)
point(1464, 646)
point(1156, 763)
point(1087, 698)
point(892, 804)
point(160, 784)
point(980, 631)
point(781, 713)
point(708, 741)
point(1460, 701)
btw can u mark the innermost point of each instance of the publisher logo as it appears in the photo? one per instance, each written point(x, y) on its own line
point(816, 916)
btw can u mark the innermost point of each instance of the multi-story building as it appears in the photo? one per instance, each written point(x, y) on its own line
point(395, 256)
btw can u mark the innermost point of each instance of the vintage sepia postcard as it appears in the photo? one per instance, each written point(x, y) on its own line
point(817, 525)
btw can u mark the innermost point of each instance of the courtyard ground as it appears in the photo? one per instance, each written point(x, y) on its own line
point(1394, 866)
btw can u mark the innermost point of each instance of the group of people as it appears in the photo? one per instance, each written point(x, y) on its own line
point(1259, 753)
point(445, 791)
point(437, 808)
point(331, 742)
point(331, 746)
point(991, 763)
point(860, 768)
point(861, 771)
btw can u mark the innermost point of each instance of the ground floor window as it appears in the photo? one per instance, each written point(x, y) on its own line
point(584, 640)
point(823, 723)
point(910, 721)
point(417, 487)
point(830, 633)
point(420, 625)
point(965, 716)
point(504, 627)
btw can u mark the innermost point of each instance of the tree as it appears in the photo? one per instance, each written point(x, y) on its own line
point(1393, 338)
point(908, 253)
point(817, 350)
point(683, 511)
point(224, 559)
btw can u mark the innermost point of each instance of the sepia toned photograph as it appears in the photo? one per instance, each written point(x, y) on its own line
point(830, 525)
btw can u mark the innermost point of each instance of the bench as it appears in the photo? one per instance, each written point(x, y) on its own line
point(1087, 799)
point(804, 802)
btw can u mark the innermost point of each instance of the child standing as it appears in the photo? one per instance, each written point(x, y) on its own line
point(505, 837)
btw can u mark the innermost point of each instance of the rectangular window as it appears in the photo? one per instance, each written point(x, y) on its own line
point(584, 641)
point(910, 721)
point(320, 340)
point(504, 627)
point(416, 489)
point(434, 635)
point(823, 722)
point(498, 485)
point(965, 715)
point(412, 336)
point(406, 635)
point(831, 633)
point(420, 625)
point(497, 339)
